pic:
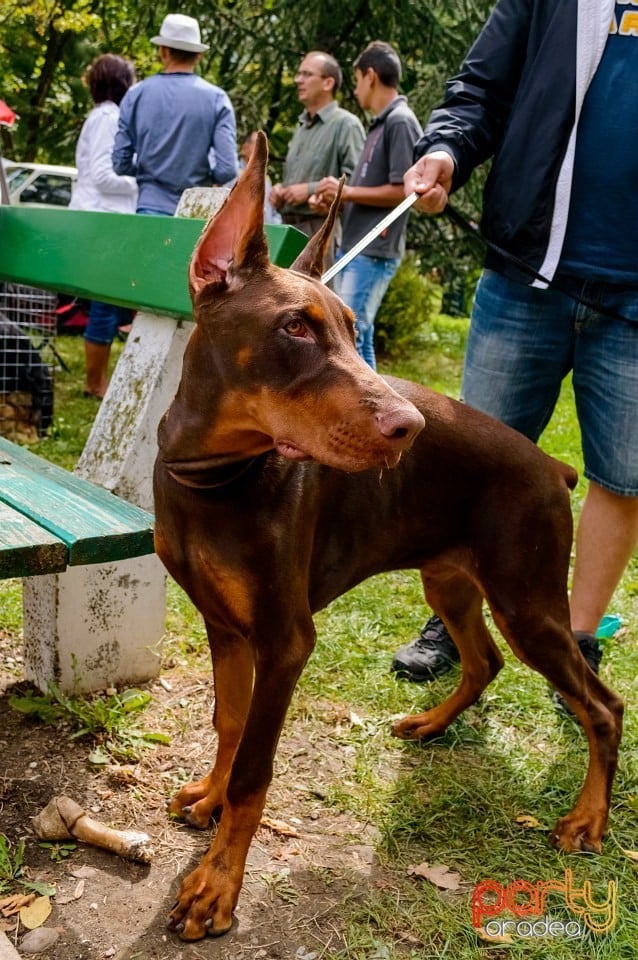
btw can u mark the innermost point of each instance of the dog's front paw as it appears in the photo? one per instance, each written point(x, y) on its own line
point(578, 834)
point(420, 726)
point(204, 905)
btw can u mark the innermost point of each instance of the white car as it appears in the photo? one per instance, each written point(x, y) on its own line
point(39, 184)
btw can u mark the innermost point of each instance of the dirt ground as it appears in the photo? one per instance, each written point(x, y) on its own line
point(295, 886)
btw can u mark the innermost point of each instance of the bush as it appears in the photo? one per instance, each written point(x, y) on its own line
point(411, 301)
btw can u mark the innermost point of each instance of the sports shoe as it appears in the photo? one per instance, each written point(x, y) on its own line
point(431, 654)
point(592, 652)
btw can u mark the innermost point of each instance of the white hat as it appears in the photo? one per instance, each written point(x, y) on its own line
point(180, 33)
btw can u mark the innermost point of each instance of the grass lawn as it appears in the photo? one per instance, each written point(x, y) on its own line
point(456, 802)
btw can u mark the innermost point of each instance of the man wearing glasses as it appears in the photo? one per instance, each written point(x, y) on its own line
point(327, 142)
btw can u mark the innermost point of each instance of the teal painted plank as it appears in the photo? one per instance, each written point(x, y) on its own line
point(132, 260)
point(95, 525)
point(26, 550)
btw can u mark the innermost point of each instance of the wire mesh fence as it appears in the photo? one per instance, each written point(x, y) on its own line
point(27, 361)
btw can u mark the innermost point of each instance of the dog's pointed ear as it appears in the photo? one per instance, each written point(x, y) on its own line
point(234, 240)
point(310, 260)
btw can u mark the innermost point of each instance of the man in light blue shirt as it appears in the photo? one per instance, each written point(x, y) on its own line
point(175, 130)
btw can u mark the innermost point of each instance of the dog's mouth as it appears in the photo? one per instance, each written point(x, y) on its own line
point(291, 452)
point(341, 459)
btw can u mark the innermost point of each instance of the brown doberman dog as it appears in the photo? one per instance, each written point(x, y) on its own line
point(274, 495)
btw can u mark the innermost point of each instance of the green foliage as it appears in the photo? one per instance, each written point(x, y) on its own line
point(11, 861)
point(452, 252)
point(13, 870)
point(58, 851)
point(254, 51)
point(409, 303)
point(73, 412)
point(108, 720)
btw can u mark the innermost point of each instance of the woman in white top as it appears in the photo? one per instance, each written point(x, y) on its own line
point(98, 187)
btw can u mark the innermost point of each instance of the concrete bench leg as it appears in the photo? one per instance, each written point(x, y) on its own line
point(101, 625)
point(96, 626)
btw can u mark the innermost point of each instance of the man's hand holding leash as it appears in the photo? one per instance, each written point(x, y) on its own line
point(431, 177)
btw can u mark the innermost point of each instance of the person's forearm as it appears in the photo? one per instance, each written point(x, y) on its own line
point(123, 153)
point(123, 159)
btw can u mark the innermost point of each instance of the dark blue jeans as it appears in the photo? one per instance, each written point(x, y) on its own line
point(524, 341)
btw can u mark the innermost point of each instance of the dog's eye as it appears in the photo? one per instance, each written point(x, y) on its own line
point(296, 328)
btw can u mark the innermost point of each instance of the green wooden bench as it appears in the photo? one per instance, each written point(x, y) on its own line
point(51, 519)
point(92, 624)
point(134, 261)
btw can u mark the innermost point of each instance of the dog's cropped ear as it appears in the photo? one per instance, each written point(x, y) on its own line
point(310, 260)
point(233, 240)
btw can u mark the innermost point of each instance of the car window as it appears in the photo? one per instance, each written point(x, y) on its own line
point(15, 178)
point(48, 188)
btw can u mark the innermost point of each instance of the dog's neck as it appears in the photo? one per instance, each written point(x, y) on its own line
point(208, 430)
point(217, 476)
point(192, 442)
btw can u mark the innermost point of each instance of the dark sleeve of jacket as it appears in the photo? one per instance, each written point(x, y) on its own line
point(473, 116)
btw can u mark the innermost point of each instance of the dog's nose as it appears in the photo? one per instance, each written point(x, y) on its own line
point(400, 423)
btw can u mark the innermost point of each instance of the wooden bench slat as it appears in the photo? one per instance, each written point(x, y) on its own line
point(95, 525)
point(26, 549)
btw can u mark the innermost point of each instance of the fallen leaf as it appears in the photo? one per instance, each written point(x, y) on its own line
point(122, 774)
point(631, 855)
point(7, 925)
point(39, 887)
point(440, 875)
point(529, 823)
point(14, 903)
point(279, 826)
point(133, 699)
point(35, 914)
point(99, 757)
point(503, 938)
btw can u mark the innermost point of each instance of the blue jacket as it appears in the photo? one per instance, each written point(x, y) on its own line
point(517, 99)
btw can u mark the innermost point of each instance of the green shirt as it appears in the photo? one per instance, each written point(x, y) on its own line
point(325, 145)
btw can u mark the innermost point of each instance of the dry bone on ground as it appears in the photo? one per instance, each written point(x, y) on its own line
point(301, 868)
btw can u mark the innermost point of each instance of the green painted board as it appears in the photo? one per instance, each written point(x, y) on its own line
point(95, 525)
point(27, 550)
point(133, 260)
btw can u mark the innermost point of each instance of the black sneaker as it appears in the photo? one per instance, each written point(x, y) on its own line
point(431, 654)
point(592, 652)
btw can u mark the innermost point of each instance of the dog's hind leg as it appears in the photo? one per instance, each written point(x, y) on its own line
point(547, 644)
point(458, 602)
point(233, 671)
